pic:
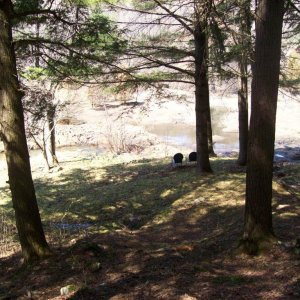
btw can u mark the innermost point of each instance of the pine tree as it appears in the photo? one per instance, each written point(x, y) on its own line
point(258, 210)
point(30, 230)
point(172, 47)
point(51, 54)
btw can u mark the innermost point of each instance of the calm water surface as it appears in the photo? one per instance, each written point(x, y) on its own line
point(185, 135)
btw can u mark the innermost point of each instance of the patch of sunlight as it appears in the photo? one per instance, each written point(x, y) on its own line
point(224, 184)
point(103, 230)
point(4, 200)
point(281, 206)
point(98, 174)
point(279, 189)
point(92, 218)
point(108, 227)
point(137, 205)
point(164, 217)
point(166, 193)
point(251, 272)
point(147, 193)
point(186, 199)
point(288, 215)
point(197, 214)
point(108, 208)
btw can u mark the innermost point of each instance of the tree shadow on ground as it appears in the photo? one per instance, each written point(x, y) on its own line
point(115, 195)
point(182, 246)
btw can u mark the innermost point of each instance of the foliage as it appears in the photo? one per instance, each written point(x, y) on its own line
point(34, 73)
point(21, 6)
point(67, 40)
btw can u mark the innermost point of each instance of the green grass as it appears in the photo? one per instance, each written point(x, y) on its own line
point(105, 192)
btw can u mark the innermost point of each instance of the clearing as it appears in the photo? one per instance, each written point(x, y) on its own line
point(123, 227)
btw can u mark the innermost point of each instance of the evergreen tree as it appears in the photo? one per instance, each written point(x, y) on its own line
point(258, 210)
point(231, 57)
point(55, 47)
point(30, 230)
point(68, 41)
point(172, 46)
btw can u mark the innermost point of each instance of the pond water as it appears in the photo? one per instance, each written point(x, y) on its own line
point(185, 135)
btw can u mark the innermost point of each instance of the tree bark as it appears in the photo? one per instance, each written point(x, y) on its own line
point(243, 115)
point(202, 100)
point(245, 42)
point(51, 126)
point(210, 136)
point(258, 209)
point(28, 221)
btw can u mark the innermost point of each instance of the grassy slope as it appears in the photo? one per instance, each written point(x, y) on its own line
point(167, 227)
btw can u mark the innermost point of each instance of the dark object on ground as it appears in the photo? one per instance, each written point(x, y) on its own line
point(193, 156)
point(177, 158)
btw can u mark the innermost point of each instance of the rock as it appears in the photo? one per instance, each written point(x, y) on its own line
point(66, 290)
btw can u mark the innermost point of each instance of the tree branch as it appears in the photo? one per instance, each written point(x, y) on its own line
point(176, 17)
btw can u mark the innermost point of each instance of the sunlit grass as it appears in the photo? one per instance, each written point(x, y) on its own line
point(105, 192)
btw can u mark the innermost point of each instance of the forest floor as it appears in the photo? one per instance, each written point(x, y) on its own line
point(122, 227)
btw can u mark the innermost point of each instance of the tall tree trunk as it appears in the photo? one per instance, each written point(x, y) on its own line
point(245, 42)
point(209, 122)
point(243, 115)
point(202, 100)
point(51, 125)
point(37, 47)
point(30, 230)
point(210, 137)
point(258, 209)
point(37, 65)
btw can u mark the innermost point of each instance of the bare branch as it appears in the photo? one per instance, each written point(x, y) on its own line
point(178, 18)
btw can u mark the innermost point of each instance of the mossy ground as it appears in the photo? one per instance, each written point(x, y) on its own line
point(139, 229)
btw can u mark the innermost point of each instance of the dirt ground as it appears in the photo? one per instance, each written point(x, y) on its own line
point(156, 233)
